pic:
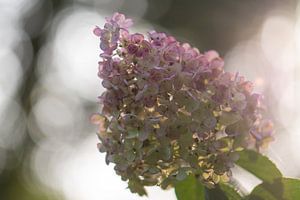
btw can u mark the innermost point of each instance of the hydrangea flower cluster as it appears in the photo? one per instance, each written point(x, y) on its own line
point(169, 111)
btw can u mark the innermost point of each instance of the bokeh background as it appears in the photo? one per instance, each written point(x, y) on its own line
point(49, 84)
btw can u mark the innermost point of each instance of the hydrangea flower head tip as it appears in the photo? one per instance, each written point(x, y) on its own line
point(169, 111)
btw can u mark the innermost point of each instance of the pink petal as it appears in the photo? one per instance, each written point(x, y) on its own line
point(97, 31)
point(211, 55)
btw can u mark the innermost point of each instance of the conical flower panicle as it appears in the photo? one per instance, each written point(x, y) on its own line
point(169, 110)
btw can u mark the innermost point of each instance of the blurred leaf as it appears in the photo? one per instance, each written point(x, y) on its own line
point(280, 189)
point(14, 187)
point(215, 194)
point(258, 165)
point(189, 189)
point(230, 192)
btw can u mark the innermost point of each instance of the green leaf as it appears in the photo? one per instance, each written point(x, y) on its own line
point(258, 165)
point(280, 189)
point(230, 192)
point(215, 194)
point(189, 189)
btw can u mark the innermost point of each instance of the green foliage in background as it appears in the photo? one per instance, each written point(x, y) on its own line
point(273, 187)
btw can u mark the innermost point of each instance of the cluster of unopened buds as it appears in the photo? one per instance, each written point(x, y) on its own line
point(169, 111)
